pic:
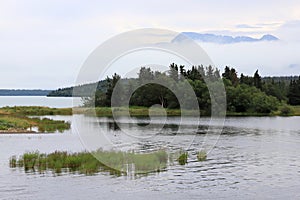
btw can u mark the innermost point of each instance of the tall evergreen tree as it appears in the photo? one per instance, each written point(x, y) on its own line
point(182, 72)
point(111, 84)
point(294, 92)
point(173, 72)
point(226, 73)
point(257, 80)
point(231, 75)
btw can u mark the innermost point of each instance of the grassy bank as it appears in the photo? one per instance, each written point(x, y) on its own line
point(296, 110)
point(133, 111)
point(35, 111)
point(143, 111)
point(16, 120)
point(23, 124)
point(114, 162)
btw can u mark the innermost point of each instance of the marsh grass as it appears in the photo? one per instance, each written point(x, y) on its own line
point(134, 111)
point(201, 156)
point(13, 123)
point(114, 162)
point(13, 162)
point(182, 159)
point(35, 110)
point(49, 125)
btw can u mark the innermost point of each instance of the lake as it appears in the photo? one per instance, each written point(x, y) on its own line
point(253, 158)
point(57, 102)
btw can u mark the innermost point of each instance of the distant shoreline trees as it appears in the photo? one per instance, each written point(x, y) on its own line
point(252, 94)
point(294, 92)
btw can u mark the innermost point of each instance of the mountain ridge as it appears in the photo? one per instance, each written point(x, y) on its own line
point(221, 39)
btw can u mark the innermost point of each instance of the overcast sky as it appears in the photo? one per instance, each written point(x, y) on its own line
point(44, 43)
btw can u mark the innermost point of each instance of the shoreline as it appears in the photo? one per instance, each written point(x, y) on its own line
point(17, 119)
point(16, 131)
point(144, 112)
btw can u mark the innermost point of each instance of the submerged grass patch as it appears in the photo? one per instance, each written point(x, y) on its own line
point(114, 162)
point(201, 156)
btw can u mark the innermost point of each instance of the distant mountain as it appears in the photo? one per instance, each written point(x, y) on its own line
point(24, 92)
point(221, 39)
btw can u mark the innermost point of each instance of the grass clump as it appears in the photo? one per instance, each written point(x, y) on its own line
point(201, 156)
point(49, 125)
point(114, 162)
point(182, 159)
point(13, 162)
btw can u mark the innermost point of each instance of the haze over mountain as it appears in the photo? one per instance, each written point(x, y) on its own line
point(222, 39)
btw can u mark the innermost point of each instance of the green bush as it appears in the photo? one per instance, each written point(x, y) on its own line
point(286, 110)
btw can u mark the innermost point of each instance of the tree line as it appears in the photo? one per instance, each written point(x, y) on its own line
point(252, 94)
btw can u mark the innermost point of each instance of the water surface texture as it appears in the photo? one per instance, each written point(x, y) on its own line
point(254, 157)
point(55, 102)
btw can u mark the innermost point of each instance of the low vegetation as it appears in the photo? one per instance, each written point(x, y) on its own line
point(135, 111)
point(13, 123)
point(35, 110)
point(16, 120)
point(22, 124)
point(182, 159)
point(201, 156)
point(114, 162)
point(296, 110)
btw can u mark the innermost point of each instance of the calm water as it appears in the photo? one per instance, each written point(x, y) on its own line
point(57, 102)
point(254, 157)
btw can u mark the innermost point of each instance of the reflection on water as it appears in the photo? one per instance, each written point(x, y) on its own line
point(254, 158)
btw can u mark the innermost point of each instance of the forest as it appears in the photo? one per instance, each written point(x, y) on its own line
point(250, 94)
point(244, 94)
